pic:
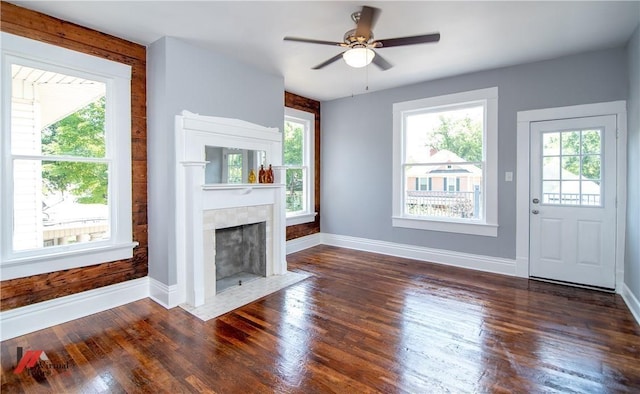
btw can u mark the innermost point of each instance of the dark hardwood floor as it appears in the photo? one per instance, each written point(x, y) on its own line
point(363, 323)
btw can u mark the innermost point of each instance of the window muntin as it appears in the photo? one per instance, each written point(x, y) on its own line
point(462, 195)
point(67, 117)
point(298, 160)
point(571, 167)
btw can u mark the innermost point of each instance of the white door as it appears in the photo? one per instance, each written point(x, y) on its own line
point(573, 200)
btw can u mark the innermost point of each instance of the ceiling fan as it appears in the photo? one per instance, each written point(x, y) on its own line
point(359, 42)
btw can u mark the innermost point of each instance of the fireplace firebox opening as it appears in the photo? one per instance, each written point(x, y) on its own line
point(240, 255)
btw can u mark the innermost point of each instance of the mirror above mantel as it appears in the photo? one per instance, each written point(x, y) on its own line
point(231, 165)
point(227, 148)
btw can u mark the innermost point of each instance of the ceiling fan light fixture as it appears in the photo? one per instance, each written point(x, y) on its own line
point(358, 57)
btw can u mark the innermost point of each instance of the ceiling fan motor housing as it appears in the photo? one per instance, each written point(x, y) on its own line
point(351, 40)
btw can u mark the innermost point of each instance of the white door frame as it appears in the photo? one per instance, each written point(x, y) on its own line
point(525, 118)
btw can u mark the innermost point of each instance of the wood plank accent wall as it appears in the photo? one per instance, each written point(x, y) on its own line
point(37, 26)
point(308, 105)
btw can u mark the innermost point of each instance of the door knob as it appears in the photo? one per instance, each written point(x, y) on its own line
point(535, 201)
point(535, 212)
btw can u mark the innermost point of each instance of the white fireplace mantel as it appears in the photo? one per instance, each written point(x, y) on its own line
point(194, 197)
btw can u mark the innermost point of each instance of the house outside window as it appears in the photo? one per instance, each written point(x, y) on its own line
point(298, 150)
point(452, 141)
point(66, 159)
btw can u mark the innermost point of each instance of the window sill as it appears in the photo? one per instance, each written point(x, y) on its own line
point(302, 218)
point(483, 229)
point(33, 265)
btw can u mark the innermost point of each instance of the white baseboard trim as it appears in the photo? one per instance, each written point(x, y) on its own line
point(496, 265)
point(165, 295)
point(522, 267)
point(30, 318)
point(302, 243)
point(632, 302)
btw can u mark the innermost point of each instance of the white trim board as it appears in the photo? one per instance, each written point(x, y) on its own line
point(632, 302)
point(477, 262)
point(302, 243)
point(525, 118)
point(30, 318)
point(165, 295)
point(497, 265)
point(34, 317)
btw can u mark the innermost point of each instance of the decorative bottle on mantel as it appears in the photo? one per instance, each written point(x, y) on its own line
point(261, 174)
point(252, 176)
point(269, 175)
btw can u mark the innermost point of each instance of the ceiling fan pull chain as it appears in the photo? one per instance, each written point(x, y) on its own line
point(367, 78)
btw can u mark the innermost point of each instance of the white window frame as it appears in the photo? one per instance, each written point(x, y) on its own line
point(308, 119)
point(117, 77)
point(488, 226)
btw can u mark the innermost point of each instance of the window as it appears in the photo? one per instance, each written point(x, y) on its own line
point(452, 184)
point(66, 159)
point(571, 167)
point(299, 141)
point(451, 141)
point(423, 184)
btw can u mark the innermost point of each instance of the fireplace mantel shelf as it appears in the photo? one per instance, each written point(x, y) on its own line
point(241, 186)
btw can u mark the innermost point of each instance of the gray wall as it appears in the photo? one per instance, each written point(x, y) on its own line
point(357, 144)
point(632, 252)
point(183, 76)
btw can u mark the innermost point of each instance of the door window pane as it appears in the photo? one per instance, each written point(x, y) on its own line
point(570, 167)
point(591, 168)
point(551, 144)
point(570, 192)
point(576, 165)
point(570, 142)
point(591, 142)
point(550, 168)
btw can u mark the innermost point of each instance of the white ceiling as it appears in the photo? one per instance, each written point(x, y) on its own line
point(474, 35)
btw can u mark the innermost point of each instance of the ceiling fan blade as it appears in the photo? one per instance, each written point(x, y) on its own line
point(381, 62)
point(396, 42)
point(326, 63)
point(310, 41)
point(368, 18)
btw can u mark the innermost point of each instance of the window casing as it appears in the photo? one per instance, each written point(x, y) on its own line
point(106, 161)
point(299, 161)
point(462, 197)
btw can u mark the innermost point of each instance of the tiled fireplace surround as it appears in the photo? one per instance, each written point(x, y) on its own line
point(230, 217)
point(203, 208)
